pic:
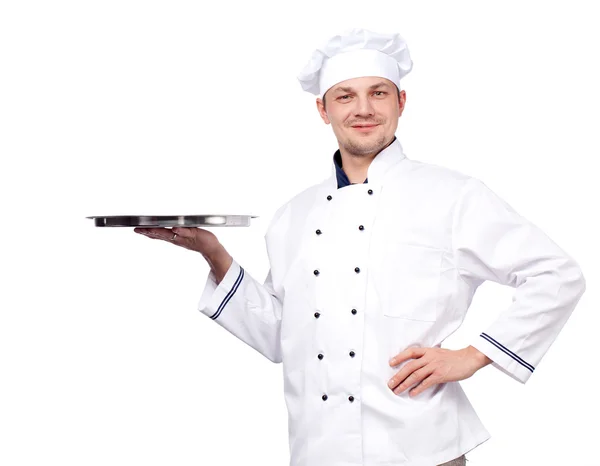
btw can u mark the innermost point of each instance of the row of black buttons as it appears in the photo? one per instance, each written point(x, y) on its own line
point(317, 314)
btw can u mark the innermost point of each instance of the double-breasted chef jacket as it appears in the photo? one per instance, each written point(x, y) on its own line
point(361, 273)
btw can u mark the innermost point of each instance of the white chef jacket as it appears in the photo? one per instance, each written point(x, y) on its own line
point(361, 273)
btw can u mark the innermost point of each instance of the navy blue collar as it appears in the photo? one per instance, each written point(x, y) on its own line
point(342, 178)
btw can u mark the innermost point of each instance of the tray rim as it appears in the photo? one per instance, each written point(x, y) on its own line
point(172, 221)
point(171, 216)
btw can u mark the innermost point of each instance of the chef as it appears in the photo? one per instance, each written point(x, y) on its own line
point(372, 269)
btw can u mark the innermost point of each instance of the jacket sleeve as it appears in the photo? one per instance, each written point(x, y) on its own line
point(491, 241)
point(246, 308)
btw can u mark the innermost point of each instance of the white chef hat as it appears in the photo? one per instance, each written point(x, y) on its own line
point(353, 54)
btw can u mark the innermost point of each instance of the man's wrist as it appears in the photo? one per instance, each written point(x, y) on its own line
point(481, 360)
point(220, 261)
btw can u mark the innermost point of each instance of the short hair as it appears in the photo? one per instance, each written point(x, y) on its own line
point(398, 92)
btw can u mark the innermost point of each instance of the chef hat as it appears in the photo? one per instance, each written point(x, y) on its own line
point(353, 54)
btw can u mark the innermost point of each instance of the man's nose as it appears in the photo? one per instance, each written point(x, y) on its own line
point(364, 107)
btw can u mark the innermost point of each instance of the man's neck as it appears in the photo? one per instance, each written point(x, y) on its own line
point(357, 167)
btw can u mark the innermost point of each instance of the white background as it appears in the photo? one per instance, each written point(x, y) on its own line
point(146, 107)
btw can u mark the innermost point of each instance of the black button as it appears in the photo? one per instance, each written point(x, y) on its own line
point(320, 356)
point(370, 191)
point(356, 269)
point(361, 228)
point(318, 232)
point(352, 353)
point(324, 397)
point(317, 315)
point(354, 311)
point(316, 272)
point(329, 198)
point(351, 398)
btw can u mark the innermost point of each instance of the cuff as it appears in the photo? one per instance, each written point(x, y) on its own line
point(503, 358)
point(215, 297)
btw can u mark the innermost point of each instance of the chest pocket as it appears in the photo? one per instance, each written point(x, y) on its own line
point(408, 282)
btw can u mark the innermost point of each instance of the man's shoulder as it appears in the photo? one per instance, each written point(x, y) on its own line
point(300, 202)
point(427, 181)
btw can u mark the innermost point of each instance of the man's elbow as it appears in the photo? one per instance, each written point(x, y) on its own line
point(275, 357)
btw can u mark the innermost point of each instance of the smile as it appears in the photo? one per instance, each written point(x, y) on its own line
point(364, 129)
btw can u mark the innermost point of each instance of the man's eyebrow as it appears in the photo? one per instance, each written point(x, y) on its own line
point(349, 89)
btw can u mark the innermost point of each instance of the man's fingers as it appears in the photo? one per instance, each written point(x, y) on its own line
point(195, 239)
point(425, 383)
point(407, 373)
point(416, 377)
point(145, 231)
point(156, 233)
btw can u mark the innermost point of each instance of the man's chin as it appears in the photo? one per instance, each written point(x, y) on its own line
point(362, 147)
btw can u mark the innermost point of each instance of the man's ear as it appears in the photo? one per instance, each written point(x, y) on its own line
point(322, 111)
point(401, 102)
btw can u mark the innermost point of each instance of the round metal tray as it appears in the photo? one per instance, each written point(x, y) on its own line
point(172, 220)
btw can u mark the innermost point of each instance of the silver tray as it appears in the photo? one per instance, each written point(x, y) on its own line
point(172, 220)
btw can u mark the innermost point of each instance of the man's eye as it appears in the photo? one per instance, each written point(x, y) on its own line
point(343, 97)
point(380, 92)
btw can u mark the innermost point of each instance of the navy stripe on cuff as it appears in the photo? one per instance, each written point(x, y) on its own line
point(507, 351)
point(229, 295)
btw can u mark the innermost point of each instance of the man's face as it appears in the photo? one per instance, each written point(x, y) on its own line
point(363, 113)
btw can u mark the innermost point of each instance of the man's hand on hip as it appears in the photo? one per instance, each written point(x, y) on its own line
point(434, 365)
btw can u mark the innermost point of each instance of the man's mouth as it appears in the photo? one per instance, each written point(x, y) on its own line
point(364, 128)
